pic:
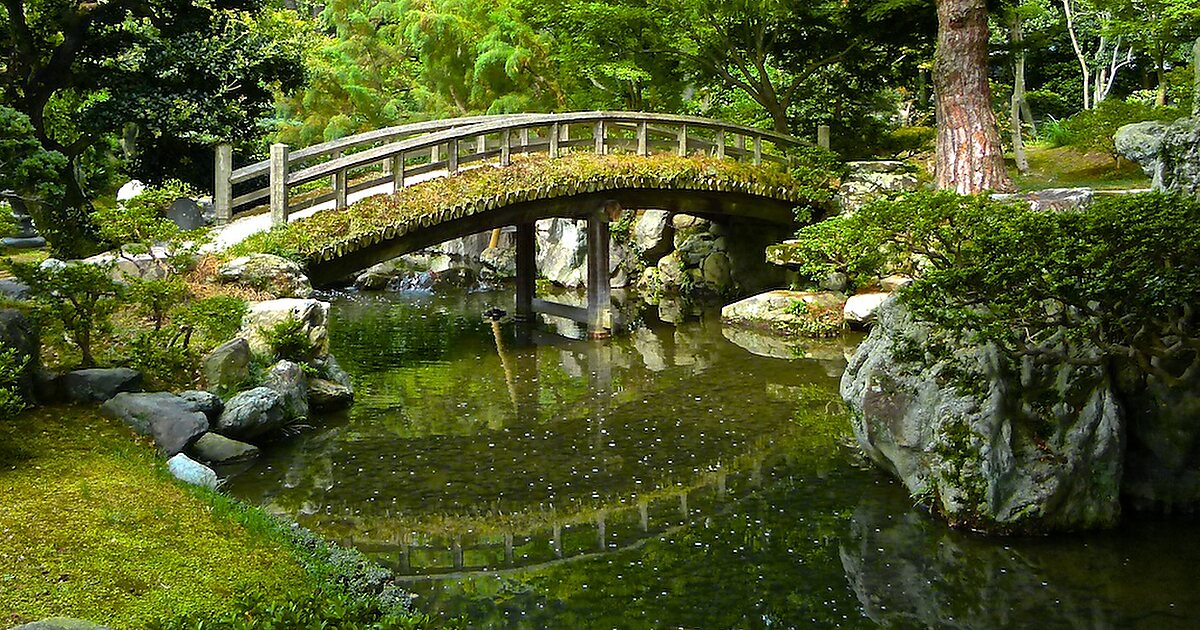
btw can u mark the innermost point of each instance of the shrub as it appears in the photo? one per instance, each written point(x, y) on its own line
point(164, 356)
point(1094, 129)
point(157, 297)
point(1049, 104)
point(76, 298)
point(908, 141)
point(1123, 276)
point(218, 318)
point(288, 341)
point(12, 402)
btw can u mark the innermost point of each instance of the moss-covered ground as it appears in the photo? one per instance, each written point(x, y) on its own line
point(92, 526)
point(1068, 167)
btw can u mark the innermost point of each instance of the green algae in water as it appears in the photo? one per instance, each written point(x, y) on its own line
point(668, 478)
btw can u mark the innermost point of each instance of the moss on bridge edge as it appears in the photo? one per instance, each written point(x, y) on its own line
point(808, 182)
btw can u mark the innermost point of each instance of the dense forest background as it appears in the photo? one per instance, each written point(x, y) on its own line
point(93, 93)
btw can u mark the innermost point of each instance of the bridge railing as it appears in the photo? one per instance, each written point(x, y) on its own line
point(292, 181)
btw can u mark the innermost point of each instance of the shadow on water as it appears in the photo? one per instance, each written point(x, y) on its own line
point(682, 475)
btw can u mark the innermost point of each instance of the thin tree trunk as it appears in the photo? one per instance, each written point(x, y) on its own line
point(1018, 96)
point(969, 155)
point(1196, 69)
point(1161, 100)
point(1069, 11)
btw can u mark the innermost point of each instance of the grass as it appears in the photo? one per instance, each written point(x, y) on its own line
point(94, 527)
point(1068, 167)
point(23, 256)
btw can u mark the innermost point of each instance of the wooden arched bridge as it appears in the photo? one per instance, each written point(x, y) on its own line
point(583, 165)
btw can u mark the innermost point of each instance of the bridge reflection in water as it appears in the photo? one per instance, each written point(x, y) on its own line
point(484, 447)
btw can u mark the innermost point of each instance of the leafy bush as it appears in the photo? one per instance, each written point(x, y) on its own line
point(164, 356)
point(1049, 104)
point(157, 297)
point(908, 141)
point(77, 299)
point(288, 341)
point(218, 318)
point(1094, 129)
point(11, 368)
point(1123, 276)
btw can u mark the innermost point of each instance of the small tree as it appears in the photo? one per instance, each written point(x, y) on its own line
point(77, 298)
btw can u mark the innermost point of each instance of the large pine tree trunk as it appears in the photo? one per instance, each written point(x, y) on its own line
point(969, 155)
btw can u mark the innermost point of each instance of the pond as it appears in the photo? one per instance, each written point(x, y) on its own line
point(684, 475)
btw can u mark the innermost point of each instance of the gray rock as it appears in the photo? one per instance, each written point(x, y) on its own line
point(288, 380)
point(717, 272)
point(694, 248)
point(499, 263)
point(192, 472)
point(325, 395)
point(788, 312)
point(653, 234)
point(331, 370)
point(990, 446)
point(228, 365)
point(17, 333)
point(264, 316)
point(687, 222)
point(860, 309)
point(1179, 158)
point(206, 403)
point(1053, 199)
point(14, 290)
point(868, 181)
point(61, 623)
point(562, 251)
point(186, 214)
point(170, 420)
point(252, 413)
point(214, 448)
point(1140, 143)
point(99, 384)
point(836, 281)
point(671, 271)
point(266, 272)
point(130, 189)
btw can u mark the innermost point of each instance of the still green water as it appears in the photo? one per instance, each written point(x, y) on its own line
point(669, 478)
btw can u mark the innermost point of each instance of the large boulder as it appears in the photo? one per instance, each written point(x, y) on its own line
point(989, 445)
point(192, 472)
point(15, 290)
point(171, 421)
point(499, 263)
point(1168, 152)
point(868, 181)
point(214, 448)
point(326, 395)
point(252, 413)
point(266, 272)
point(288, 380)
point(803, 313)
point(860, 309)
point(1140, 143)
point(206, 403)
point(562, 251)
point(653, 234)
point(227, 366)
point(310, 315)
point(99, 384)
point(17, 333)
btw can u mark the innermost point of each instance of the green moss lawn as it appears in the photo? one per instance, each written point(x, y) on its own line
point(92, 526)
point(1068, 167)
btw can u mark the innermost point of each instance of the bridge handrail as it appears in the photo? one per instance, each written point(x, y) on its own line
point(432, 135)
point(258, 169)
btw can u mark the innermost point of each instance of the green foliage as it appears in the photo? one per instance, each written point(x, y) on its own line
point(136, 224)
point(908, 141)
point(163, 356)
point(217, 318)
point(288, 341)
point(157, 297)
point(1122, 275)
point(31, 179)
point(12, 366)
point(76, 299)
point(1094, 129)
point(8, 224)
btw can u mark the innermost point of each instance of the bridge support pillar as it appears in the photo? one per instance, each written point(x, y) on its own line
point(599, 287)
point(526, 271)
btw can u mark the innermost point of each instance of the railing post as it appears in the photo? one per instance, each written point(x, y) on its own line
point(333, 179)
point(683, 140)
point(341, 190)
point(505, 147)
point(398, 172)
point(524, 136)
point(757, 150)
point(823, 136)
point(554, 131)
point(643, 138)
point(739, 141)
point(222, 187)
point(279, 186)
point(600, 133)
point(481, 144)
point(720, 143)
point(452, 157)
